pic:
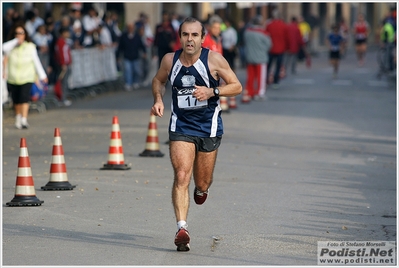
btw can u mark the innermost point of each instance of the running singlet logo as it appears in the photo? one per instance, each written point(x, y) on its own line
point(185, 98)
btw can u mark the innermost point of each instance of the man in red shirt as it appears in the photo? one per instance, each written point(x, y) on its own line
point(294, 44)
point(277, 30)
point(213, 40)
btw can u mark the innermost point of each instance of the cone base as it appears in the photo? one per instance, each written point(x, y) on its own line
point(152, 153)
point(115, 167)
point(54, 186)
point(19, 201)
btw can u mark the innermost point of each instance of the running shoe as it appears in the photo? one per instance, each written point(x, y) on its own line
point(200, 197)
point(18, 121)
point(182, 240)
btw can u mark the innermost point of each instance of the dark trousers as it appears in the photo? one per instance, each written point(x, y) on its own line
point(279, 61)
point(230, 57)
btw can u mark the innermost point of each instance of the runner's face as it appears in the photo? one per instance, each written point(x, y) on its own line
point(190, 38)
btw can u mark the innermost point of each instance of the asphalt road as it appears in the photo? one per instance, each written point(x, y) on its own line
point(314, 162)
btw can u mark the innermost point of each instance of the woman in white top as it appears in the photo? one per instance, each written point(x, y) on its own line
point(22, 67)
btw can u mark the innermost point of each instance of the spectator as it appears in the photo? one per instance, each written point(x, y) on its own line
point(75, 16)
point(20, 77)
point(105, 37)
point(131, 45)
point(213, 39)
point(148, 39)
point(257, 47)
point(17, 18)
point(64, 22)
point(241, 43)
point(115, 21)
point(38, 20)
point(42, 39)
point(8, 22)
point(111, 22)
point(64, 60)
point(32, 22)
point(360, 30)
point(165, 37)
point(387, 40)
point(90, 23)
point(112, 26)
point(295, 43)
point(277, 29)
point(391, 17)
point(229, 44)
point(314, 23)
point(78, 35)
point(306, 33)
point(53, 66)
point(175, 21)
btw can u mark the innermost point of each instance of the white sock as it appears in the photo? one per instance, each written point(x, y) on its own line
point(18, 120)
point(23, 120)
point(181, 224)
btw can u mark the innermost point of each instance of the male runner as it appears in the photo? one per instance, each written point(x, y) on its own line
point(196, 128)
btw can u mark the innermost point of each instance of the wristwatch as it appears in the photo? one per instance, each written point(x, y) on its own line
point(216, 91)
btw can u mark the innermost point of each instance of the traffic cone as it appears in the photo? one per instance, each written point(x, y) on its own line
point(152, 143)
point(58, 172)
point(245, 97)
point(25, 194)
point(232, 103)
point(224, 104)
point(115, 153)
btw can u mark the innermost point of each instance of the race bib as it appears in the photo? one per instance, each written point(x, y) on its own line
point(186, 100)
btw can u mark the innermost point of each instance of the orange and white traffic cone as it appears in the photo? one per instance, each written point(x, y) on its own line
point(224, 104)
point(245, 97)
point(58, 172)
point(152, 142)
point(232, 103)
point(115, 153)
point(25, 194)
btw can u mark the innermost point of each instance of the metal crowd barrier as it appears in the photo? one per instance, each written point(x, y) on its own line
point(93, 72)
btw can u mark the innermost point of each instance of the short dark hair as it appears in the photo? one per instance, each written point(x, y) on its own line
point(191, 20)
point(63, 29)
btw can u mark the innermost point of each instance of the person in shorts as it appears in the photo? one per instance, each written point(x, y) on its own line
point(196, 127)
point(361, 30)
point(335, 43)
point(22, 68)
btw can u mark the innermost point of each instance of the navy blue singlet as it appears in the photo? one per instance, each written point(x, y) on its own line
point(190, 116)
